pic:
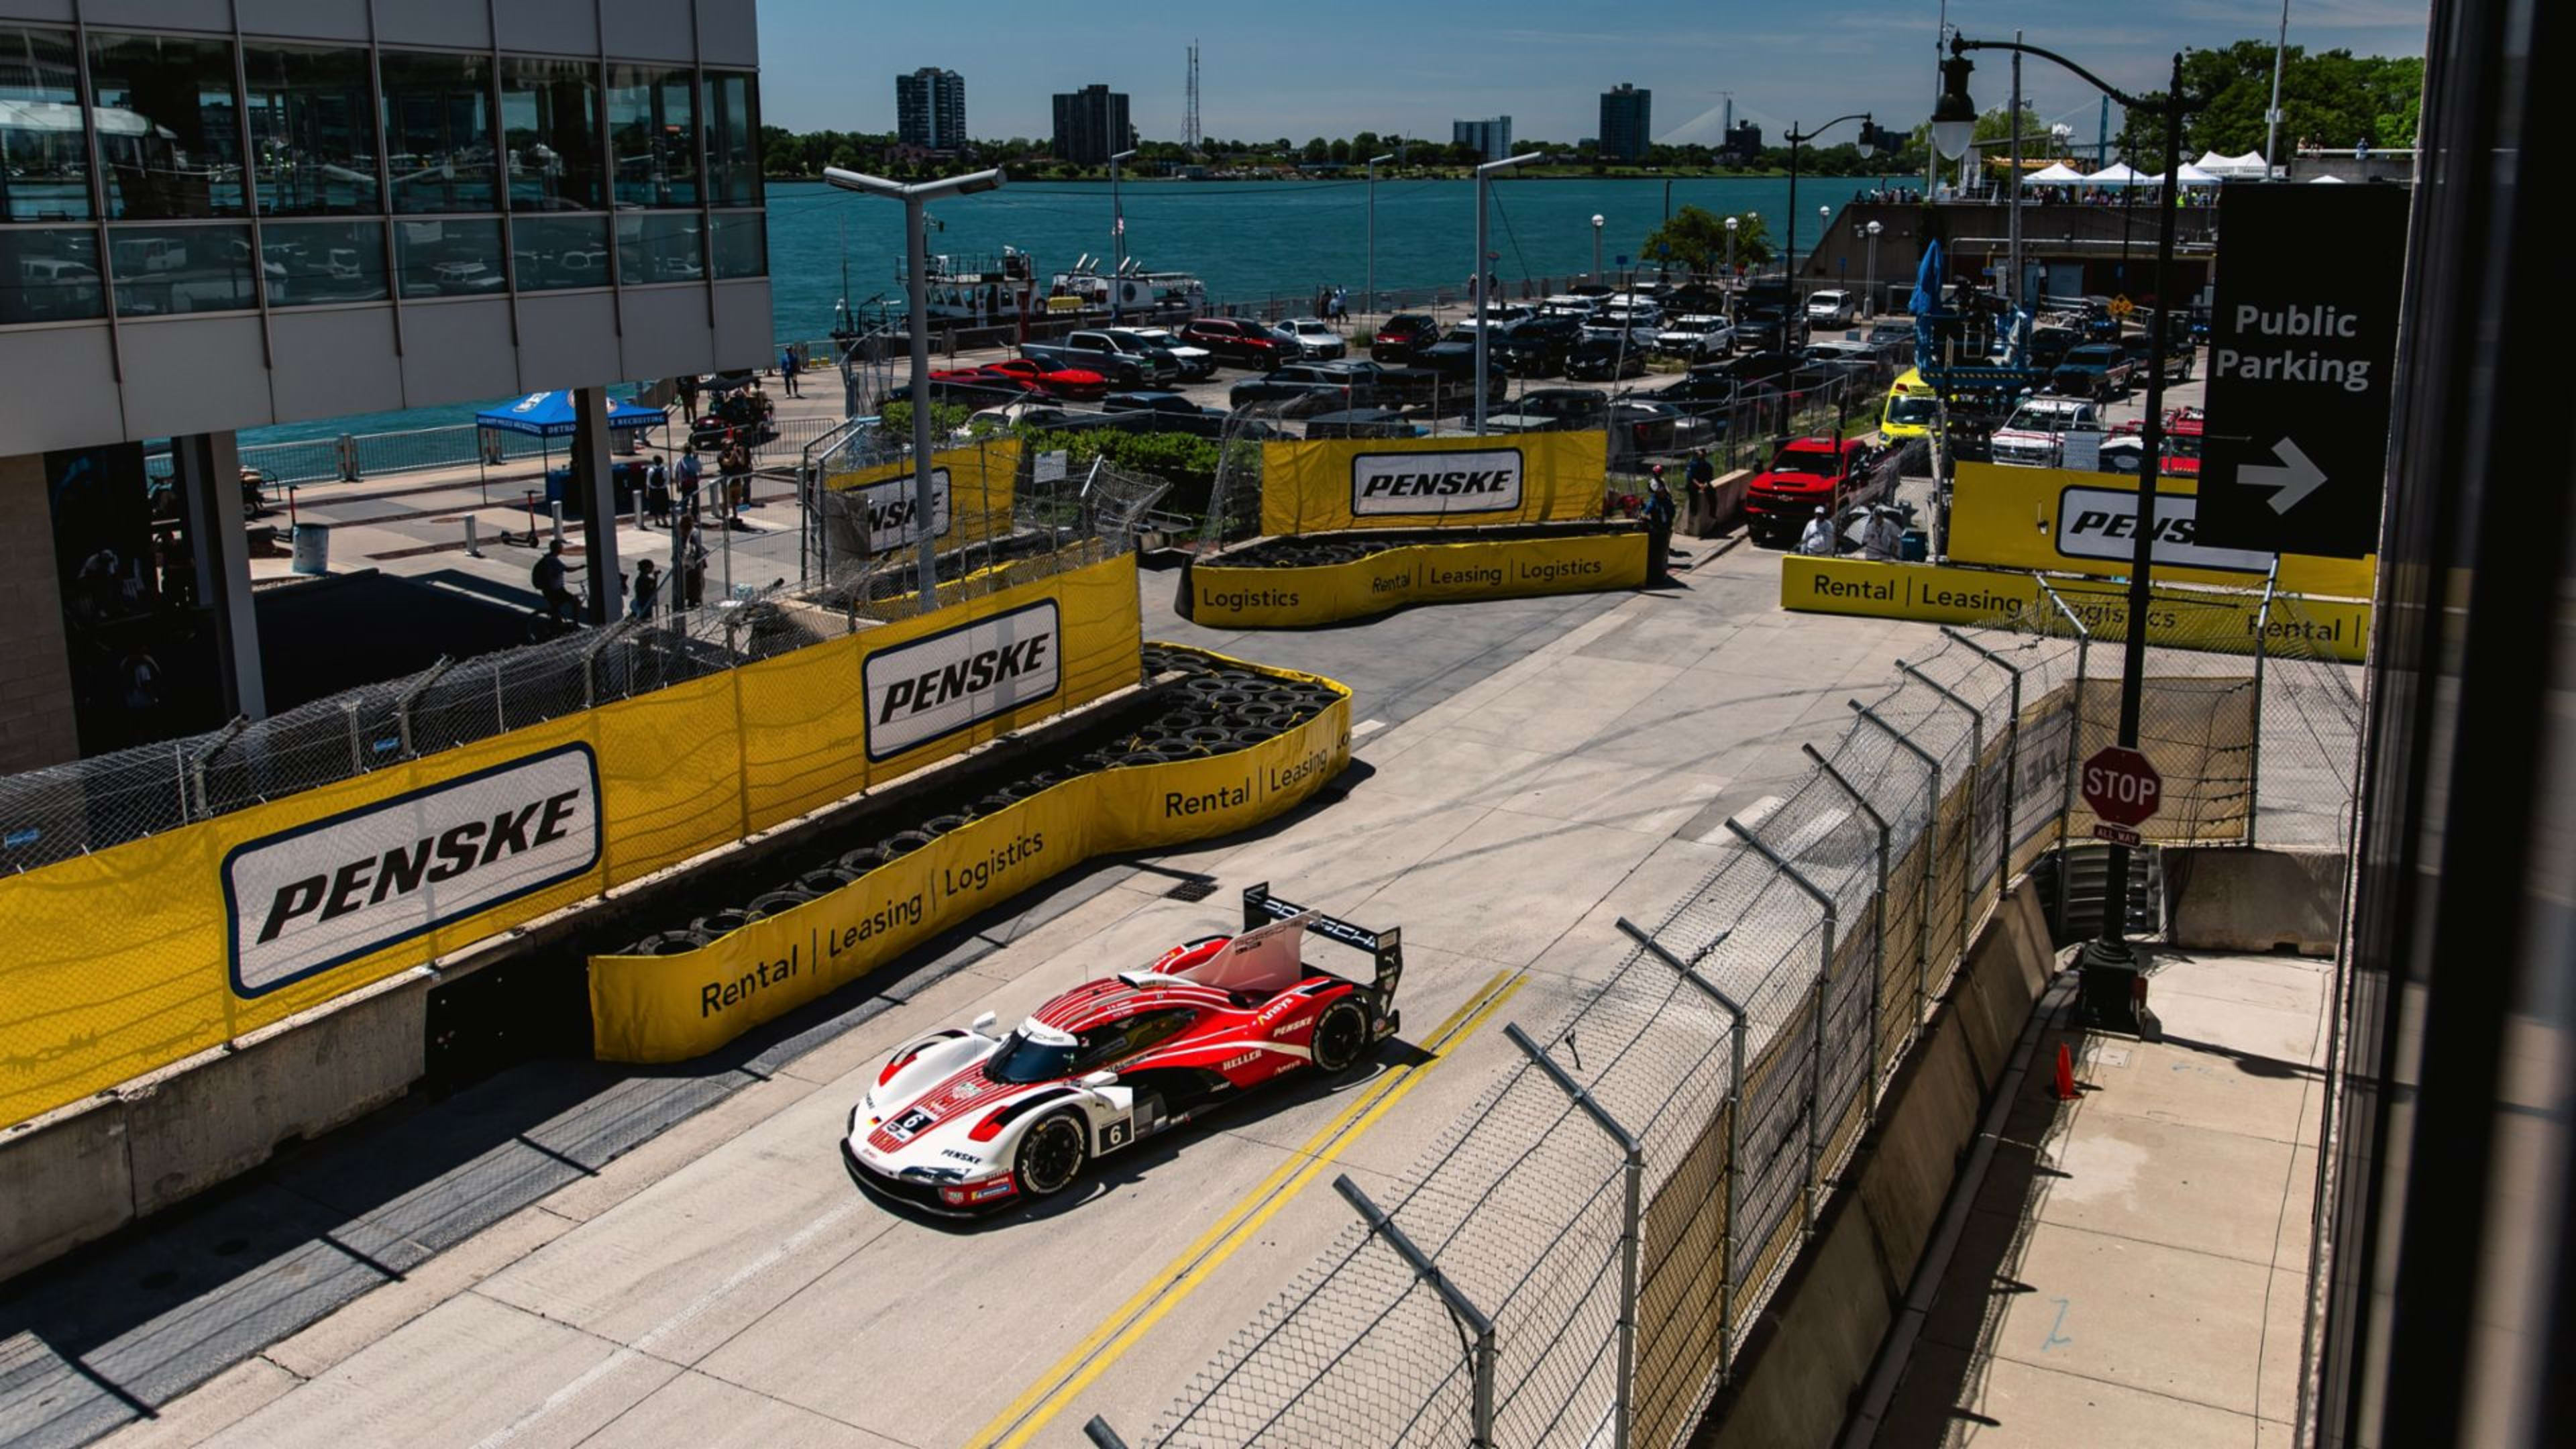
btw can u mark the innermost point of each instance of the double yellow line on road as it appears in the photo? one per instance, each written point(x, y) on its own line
point(1016, 1425)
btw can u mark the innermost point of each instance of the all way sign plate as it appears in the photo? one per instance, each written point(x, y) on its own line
point(2302, 338)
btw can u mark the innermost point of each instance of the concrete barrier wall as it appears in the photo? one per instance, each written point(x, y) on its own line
point(2256, 900)
point(1812, 1348)
point(1722, 509)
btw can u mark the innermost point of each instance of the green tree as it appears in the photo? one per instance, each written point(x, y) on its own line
point(1696, 239)
point(1318, 149)
point(2329, 98)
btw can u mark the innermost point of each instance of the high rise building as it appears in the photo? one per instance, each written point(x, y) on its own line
point(1090, 124)
point(930, 109)
point(1627, 122)
point(1491, 138)
point(1743, 143)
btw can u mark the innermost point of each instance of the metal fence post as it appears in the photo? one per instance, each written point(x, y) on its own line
point(1471, 1320)
point(1877, 919)
point(1824, 984)
point(2262, 647)
point(1931, 846)
point(1976, 767)
point(1101, 1435)
point(2074, 744)
point(590, 660)
point(2012, 757)
point(1734, 1130)
point(357, 750)
point(1634, 1171)
point(410, 696)
point(197, 762)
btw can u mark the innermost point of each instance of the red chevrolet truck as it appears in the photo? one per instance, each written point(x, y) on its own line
point(1807, 474)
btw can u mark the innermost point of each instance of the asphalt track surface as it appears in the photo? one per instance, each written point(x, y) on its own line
point(579, 1254)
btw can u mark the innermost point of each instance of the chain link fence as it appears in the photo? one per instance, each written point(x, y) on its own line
point(90, 805)
point(1742, 1045)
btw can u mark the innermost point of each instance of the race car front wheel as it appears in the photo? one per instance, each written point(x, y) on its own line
point(1051, 1155)
point(1341, 1034)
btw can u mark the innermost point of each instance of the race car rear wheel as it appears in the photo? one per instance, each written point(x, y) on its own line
point(1341, 1035)
point(1051, 1156)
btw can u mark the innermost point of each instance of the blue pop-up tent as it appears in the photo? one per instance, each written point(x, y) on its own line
point(550, 415)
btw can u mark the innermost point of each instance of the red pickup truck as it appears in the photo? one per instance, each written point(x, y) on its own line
point(1806, 474)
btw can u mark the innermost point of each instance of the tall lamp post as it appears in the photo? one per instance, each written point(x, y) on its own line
point(2112, 985)
point(1596, 246)
point(1484, 293)
point(1870, 136)
point(1869, 277)
point(1368, 304)
point(1117, 240)
point(1727, 282)
point(916, 269)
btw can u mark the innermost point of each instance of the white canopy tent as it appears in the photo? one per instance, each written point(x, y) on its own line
point(2055, 174)
point(2119, 173)
point(2191, 175)
point(2326, 181)
point(2249, 167)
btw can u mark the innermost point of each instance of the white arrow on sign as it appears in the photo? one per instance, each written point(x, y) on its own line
point(2291, 483)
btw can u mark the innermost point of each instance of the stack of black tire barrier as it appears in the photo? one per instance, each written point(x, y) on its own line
point(1212, 707)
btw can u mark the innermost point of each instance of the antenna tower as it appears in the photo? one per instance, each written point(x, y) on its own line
point(1190, 123)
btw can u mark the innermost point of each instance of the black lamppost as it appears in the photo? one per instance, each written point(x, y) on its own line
point(2111, 981)
point(1871, 138)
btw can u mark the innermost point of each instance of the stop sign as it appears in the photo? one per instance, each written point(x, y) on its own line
point(2122, 787)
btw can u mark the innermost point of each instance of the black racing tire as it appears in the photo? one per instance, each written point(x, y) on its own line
point(1141, 757)
point(942, 824)
point(721, 923)
point(666, 943)
point(1341, 1036)
point(776, 902)
point(1051, 1155)
point(904, 842)
point(1253, 734)
point(862, 860)
point(823, 880)
point(1203, 685)
point(1211, 736)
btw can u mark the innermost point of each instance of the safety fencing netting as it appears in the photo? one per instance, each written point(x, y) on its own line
point(1021, 531)
point(1742, 1045)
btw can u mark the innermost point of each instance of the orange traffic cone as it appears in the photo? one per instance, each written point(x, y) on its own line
point(2065, 1074)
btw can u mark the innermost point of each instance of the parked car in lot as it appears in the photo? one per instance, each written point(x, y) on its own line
point(2140, 348)
point(1402, 337)
point(1755, 367)
point(1696, 336)
point(1660, 427)
point(981, 387)
point(1553, 410)
point(1236, 342)
point(1569, 304)
point(1605, 359)
point(2125, 450)
point(1769, 329)
point(1081, 384)
point(1150, 402)
point(1354, 383)
point(1362, 423)
point(1197, 363)
point(1315, 338)
point(1830, 307)
point(1703, 390)
point(1453, 359)
point(1534, 347)
point(1857, 360)
point(2049, 346)
point(1113, 353)
point(2036, 434)
point(1804, 475)
point(1913, 409)
point(1010, 415)
point(2098, 370)
point(1498, 314)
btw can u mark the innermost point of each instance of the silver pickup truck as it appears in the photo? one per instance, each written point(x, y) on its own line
point(1126, 360)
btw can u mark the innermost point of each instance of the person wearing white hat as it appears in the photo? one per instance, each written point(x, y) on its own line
point(1818, 540)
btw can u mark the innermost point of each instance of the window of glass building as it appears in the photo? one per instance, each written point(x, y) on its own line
point(49, 274)
point(555, 252)
point(659, 247)
point(653, 135)
point(316, 263)
point(733, 139)
point(740, 244)
point(550, 134)
point(167, 271)
point(449, 258)
point(169, 128)
point(438, 132)
point(44, 154)
point(312, 132)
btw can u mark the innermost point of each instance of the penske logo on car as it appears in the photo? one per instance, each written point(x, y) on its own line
point(307, 899)
point(892, 510)
point(1483, 480)
point(936, 686)
point(2102, 523)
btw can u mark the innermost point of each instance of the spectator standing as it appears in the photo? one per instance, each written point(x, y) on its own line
point(1659, 527)
point(689, 398)
point(548, 577)
point(692, 562)
point(648, 589)
point(1818, 540)
point(690, 471)
point(787, 368)
point(734, 463)
point(657, 493)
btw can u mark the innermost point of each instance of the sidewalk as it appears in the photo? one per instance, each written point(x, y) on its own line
point(2135, 1270)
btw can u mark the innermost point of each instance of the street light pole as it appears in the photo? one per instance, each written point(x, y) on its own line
point(2272, 117)
point(1596, 246)
point(1869, 277)
point(1368, 304)
point(1869, 138)
point(1117, 240)
point(1485, 293)
point(1727, 282)
point(916, 200)
point(2110, 965)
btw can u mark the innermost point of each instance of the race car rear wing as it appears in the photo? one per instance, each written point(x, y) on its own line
point(1385, 948)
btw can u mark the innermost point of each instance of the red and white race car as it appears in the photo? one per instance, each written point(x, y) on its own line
point(965, 1121)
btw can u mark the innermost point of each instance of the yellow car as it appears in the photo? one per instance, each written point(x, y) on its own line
point(1911, 409)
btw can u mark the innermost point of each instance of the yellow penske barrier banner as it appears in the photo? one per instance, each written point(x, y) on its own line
point(1328, 485)
point(135, 957)
point(1217, 597)
point(1946, 594)
point(2056, 520)
point(671, 1008)
point(971, 492)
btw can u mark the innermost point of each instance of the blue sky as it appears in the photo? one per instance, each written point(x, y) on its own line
point(1333, 67)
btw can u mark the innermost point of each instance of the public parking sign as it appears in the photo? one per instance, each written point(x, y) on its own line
point(2123, 790)
point(2302, 338)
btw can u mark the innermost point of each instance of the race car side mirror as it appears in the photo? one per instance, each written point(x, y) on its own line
point(1097, 1080)
point(982, 1025)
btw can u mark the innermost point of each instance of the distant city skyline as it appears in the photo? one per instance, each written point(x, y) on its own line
point(1337, 67)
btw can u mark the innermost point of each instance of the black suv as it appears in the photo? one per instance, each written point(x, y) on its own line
point(1403, 337)
point(1537, 347)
